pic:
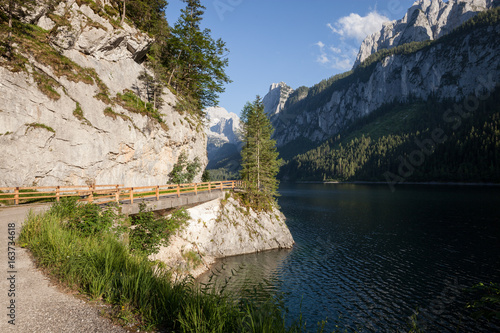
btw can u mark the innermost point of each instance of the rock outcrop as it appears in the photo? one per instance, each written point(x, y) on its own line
point(275, 99)
point(222, 228)
point(425, 20)
point(452, 67)
point(62, 120)
point(223, 135)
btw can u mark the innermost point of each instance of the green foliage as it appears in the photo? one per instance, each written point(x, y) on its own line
point(78, 113)
point(196, 62)
point(149, 233)
point(39, 125)
point(134, 103)
point(90, 219)
point(260, 163)
point(205, 177)
point(184, 171)
point(488, 303)
point(222, 174)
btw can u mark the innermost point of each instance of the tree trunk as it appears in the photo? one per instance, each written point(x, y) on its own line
point(9, 36)
point(124, 11)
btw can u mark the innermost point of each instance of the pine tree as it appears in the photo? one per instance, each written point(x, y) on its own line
point(260, 163)
point(196, 62)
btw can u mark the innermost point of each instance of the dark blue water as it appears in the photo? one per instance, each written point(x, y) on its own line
point(367, 259)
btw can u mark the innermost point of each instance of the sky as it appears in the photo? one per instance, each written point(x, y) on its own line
point(297, 42)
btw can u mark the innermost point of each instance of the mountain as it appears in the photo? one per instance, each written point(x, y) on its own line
point(459, 64)
point(425, 20)
point(73, 106)
point(275, 99)
point(223, 142)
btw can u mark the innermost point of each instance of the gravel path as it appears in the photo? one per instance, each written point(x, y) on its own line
point(39, 305)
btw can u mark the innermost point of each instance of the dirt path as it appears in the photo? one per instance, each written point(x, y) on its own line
point(39, 306)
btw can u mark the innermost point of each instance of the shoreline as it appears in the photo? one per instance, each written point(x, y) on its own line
point(363, 182)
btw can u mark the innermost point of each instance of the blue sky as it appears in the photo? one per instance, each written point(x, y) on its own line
point(298, 42)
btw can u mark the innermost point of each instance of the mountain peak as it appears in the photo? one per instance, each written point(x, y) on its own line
point(424, 20)
point(275, 99)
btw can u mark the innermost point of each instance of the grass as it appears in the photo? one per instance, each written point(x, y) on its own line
point(39, 125)
point(78, 113)
point(133, 103)
point(47, 85)
point(102, 268)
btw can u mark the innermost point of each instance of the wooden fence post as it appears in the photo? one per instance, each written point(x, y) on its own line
point(117, 194)
point(196, 188)
point(221, 187)
point(232, 184)
point(209, 186)
point(58, 193)
point(91, 196)
point(178, 190)
point(16, 196)
point(131, 195)
point(157, 192)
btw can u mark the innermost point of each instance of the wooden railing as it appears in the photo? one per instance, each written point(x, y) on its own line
point(109, 193)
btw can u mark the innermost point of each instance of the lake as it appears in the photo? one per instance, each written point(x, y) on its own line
point(367, 259)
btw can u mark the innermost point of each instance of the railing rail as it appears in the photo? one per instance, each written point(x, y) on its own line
point(110, 193)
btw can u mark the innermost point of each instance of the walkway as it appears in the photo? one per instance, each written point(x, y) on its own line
point(39, 305)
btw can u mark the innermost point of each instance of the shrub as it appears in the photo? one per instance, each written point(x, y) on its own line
point(149, 233)
point(90, 219)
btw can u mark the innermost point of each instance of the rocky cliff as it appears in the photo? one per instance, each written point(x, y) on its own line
point(275, 99)
point(223, 133)
point(222, 228)
point(425, 20)
point(72, 107)
point(457, 65)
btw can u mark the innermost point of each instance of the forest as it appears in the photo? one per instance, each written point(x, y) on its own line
point(428, 140)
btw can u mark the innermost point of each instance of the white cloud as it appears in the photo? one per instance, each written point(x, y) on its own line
point(339, 58)
point(358, 27)
point(335, 49)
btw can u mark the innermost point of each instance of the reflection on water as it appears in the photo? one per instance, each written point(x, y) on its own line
point(369, 258)
point(241, 275)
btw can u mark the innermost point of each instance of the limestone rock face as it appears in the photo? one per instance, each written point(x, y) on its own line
point(447, 69)
point(223, 133)
point(77, 138)
point(275, 99)
point(222, 228)
point(425, 20)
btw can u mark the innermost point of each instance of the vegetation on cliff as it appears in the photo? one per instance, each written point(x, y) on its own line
point(184, 58)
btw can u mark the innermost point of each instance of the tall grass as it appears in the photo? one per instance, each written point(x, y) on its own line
point(101, 267)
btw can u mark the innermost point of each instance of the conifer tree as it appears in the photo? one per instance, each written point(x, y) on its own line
point(196, 62)
point(260, 163)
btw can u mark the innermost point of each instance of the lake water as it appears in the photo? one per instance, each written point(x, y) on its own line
point(367, 258)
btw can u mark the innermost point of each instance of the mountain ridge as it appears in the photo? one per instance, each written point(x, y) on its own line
point(424, 20)
point(452, 66)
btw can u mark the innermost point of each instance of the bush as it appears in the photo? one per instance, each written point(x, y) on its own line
point(149, 233)
point(90, 219)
